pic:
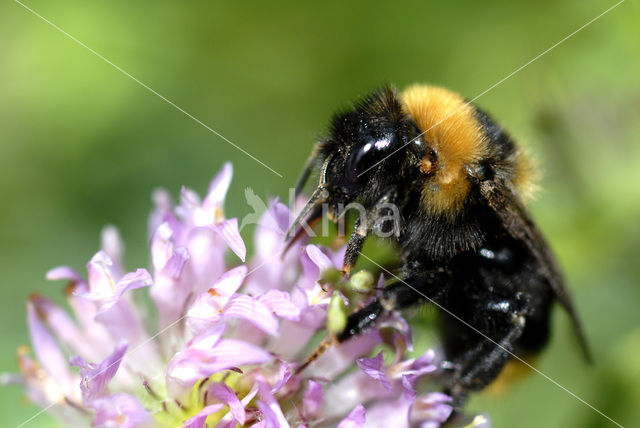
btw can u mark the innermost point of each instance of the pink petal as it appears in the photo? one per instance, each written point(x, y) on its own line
point(312, 400)
point(352, 389)
point(258, 206)
point(310, 271)
point(101, 280)
point(62, 325)
point(311, 319)
point(340, 358)
point(355, 419)
point(272, 227)
point(227, 424)
point(224, 394)
point(431, 409)
point(189, 205)
point(207, 258)
point(124, 321)
point(120, 410)
point(47, 351)
point(424, 364)
point(274, 270)
point(319, 258)
point(95, 378)
point(228, 230)
point(208, 339)
point(203, 314)
point(270, 408)
point(175, 265)
point(228, 284)
point(172, 285)
point(416, 367)
point(250, 309)
point(33, 379)
point(284, 374)
point(408, 384)
point(381, 281)
point(337, 256)
point(169, 297)
point(161, 213)
point(198, 421)
point(389, 412)
point(373, 367)
point(64, 272)
point(138, 279)
point(111, 243)
point(228, 421)
point(96, 338)
point(219, 186)
point(162, 245)
point(194, 363)
point(279, 302)
point(271, 418)
point(402, 327)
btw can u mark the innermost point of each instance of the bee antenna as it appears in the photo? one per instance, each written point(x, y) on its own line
point(317, 198)
point(306, 172)
point(312, 220)
point(304, 177)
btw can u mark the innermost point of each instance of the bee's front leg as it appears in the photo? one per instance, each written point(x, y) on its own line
point(364, 225)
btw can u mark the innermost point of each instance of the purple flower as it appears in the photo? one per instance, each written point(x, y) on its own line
point(227, 339)
point(355, 419)
point(96, 377)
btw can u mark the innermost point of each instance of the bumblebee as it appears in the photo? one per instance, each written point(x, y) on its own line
point(466, 241)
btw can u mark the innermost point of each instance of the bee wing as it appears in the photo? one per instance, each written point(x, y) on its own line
point(519, 225)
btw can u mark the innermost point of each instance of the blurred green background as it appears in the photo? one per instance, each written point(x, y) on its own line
point(82, 145)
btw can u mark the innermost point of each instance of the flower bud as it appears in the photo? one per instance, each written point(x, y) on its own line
point(336, 314)
point(362, 281)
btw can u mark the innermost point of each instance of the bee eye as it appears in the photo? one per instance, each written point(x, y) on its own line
point(365, 156)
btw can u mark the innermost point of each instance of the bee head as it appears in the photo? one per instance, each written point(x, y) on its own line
point(369, 148)
point(366, 151)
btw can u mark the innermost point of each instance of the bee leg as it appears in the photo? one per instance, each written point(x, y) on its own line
point(504, 323)
point(363, 227)
point(398, 295)
point(361, 321)
point(354, 246)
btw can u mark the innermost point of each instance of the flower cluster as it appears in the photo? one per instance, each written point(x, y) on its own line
point(226, 341)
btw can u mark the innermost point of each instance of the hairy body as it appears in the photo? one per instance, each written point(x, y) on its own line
point(467, 243)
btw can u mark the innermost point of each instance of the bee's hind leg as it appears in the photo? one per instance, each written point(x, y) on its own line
point(500, 325)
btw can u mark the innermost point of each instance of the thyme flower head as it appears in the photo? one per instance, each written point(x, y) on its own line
point(212, 344)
